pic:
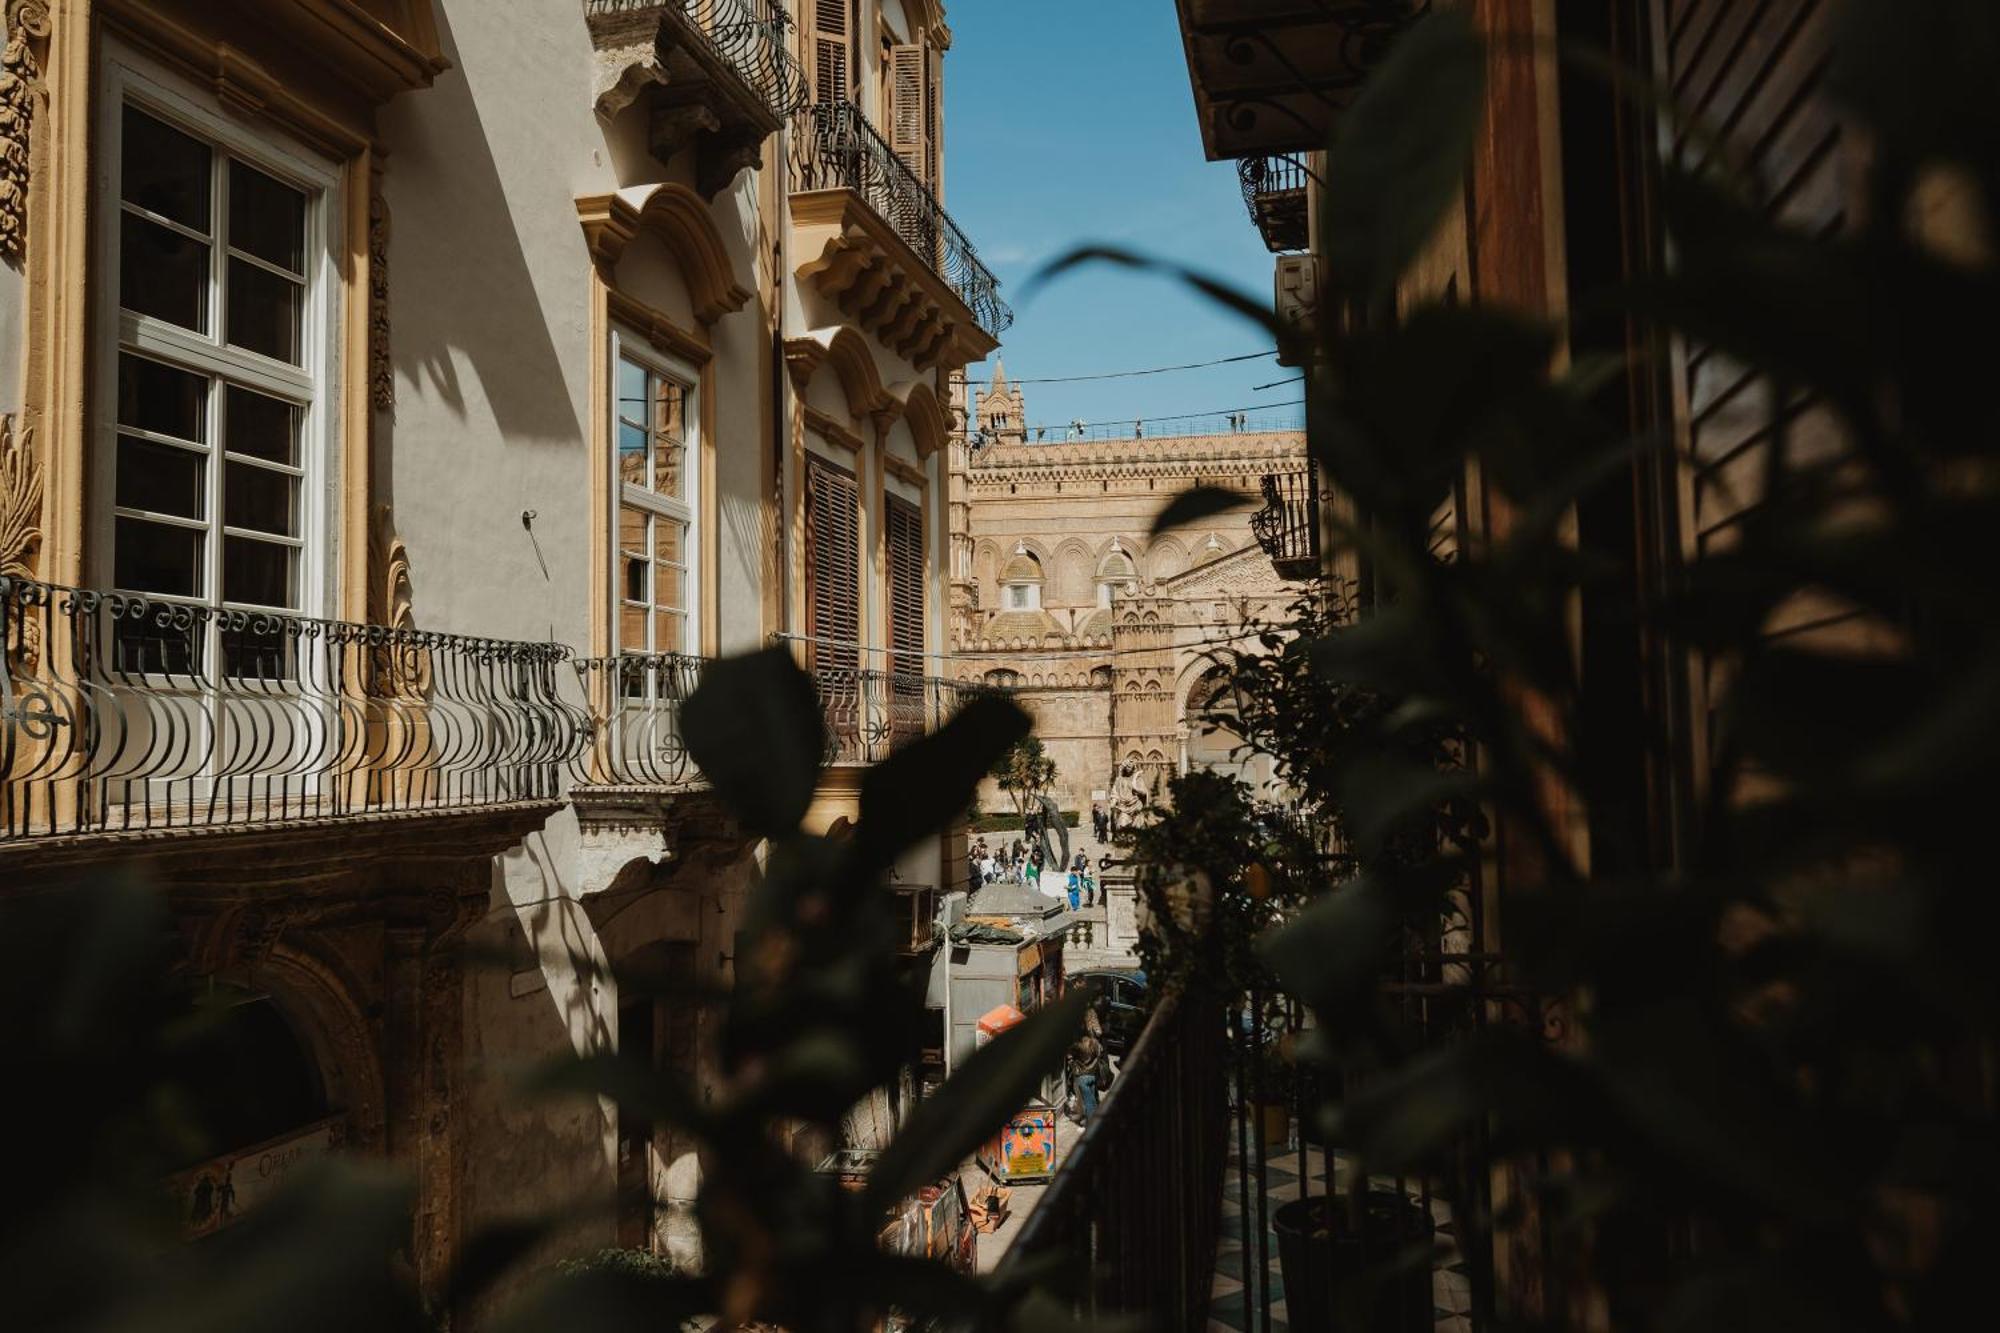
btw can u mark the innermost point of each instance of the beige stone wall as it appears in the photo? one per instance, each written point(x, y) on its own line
point(1106, 684)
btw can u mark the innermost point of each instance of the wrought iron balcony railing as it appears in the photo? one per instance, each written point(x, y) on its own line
point(1130, 1222)
point(121, 712)
point(749, 36)
point(1274, 190)
point(869, 714)
point(634, 702)
point(1287, 527)
point(834, 146)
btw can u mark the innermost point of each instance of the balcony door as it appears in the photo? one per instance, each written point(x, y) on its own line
point(211, 683)
point(655, 639)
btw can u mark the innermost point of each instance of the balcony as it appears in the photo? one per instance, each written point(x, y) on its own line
point(877, 242)
point(1287, 527)
point(125, 715)
point(634, 704)
point(871, 714)
point(1274, 190)
point(718, 75)
point(1272, 76)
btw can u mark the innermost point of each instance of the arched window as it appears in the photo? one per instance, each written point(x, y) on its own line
point(1021, 581)
point(1114, 571)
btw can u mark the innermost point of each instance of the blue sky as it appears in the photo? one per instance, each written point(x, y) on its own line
point(1070, 121)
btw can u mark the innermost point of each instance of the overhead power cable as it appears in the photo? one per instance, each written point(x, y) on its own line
point(1131, 374)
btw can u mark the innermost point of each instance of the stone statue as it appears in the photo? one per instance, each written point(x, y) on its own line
point(1130, 797)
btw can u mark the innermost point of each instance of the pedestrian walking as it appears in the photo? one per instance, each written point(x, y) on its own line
point(1075, 889)
point(1086, 1068)
point(1099, 822)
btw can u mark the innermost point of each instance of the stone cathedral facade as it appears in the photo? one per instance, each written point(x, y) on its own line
point(1113, 640)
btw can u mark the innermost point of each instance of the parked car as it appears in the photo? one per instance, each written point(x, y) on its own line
point(1123, 1001)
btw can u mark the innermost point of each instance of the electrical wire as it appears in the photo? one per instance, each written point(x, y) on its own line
point(1130, 374)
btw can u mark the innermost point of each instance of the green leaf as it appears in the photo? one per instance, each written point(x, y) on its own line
point(755, 727)
point(924, 786)
point(1399, 156)
point(1334, 948)
point(1194, 505)
point(995, 1083)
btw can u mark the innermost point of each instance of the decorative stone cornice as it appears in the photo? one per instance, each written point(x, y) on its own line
point(848, 354)
point(1250, 455)
point(679, 217)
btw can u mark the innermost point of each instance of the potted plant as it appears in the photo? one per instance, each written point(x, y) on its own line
point(1351, 1269)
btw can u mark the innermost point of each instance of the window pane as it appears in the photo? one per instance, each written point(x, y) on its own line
point(631, 454)
point(165, 171)
point(670, 587)
point(266, 218)
point(259, 573)
point(162, 273)
point(160, 477)
point(632, 629)
point(672, 538)
point(256, 653)
point(263, 312)
point(143, 645)
point(668, 455)
point(632, 529)
point(152, 557)
point(262, 427)
point(635, 578)
point(632, 391)
point(162, 399)
point(256, 497)
point(672, 633)
point(669, 451)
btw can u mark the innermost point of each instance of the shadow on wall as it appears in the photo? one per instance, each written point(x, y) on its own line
point(565, 947)
point(459, 275)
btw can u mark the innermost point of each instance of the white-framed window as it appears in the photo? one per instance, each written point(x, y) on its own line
point(656, 457)
point(214, 403)
point(1024, 596)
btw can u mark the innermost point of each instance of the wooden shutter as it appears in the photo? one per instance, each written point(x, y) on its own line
point(906, 586)
point(908, 110)
point(833, 565)
point(1757, 71)
point(831, 61)
point(933, 131)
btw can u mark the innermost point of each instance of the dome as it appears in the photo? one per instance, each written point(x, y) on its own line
point(1116, 567)
point(1021, 569)
point(1032, 626)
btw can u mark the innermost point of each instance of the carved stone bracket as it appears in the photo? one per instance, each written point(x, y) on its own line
point(390, 600)
point(675, 127)
point(20, 93)
point(724, 155)
point(20, 526)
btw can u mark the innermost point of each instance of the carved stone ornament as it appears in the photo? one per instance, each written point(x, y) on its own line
point(20, 89)
point(381, 373)
point(391, 602)
point(20, 524)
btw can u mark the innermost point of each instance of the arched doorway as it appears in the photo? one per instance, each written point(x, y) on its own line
point(1215, 743)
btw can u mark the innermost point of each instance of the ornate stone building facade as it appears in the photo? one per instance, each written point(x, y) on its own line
point(399, 400)
point(1108, 636)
